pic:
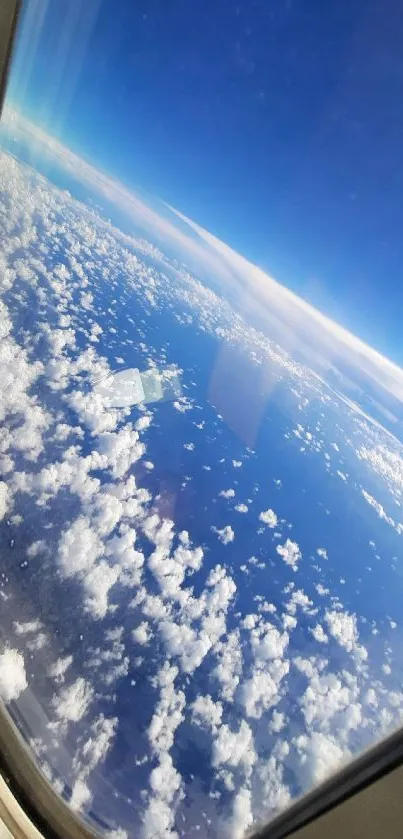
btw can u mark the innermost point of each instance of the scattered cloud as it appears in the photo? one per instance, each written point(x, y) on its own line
point(142, 633)
point(79, 463)
point(13, 679)
point(72, 702)
point(4, 503)
point(343, 627)
point(290, 553)
point(58, 668)
point(268, 517)
point(319, 634)
point(225, 535)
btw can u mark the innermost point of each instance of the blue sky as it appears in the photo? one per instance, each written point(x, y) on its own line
point(277, 125)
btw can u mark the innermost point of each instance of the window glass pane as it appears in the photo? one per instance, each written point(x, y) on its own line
point(201, 465)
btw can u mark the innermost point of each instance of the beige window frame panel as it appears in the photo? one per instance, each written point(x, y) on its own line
point(9, 12)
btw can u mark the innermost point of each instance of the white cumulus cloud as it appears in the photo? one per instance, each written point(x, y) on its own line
point(290, 552)
point(225, 535)
point(13, 679)
point(72, 703)
point(268, 517)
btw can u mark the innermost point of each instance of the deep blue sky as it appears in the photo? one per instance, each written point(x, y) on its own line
point(276, 125)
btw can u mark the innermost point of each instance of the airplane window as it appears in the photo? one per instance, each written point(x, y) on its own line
point(201, 461)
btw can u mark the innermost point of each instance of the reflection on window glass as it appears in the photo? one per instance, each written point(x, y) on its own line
point(201, 468)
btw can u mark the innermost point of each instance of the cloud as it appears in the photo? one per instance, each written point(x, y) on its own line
point(38, 642)
point(320, 756)
point(206, 712)
point(27, 627)
point(381, 512)
point(114, 531)
point(241, 816)
point(97, 583)
point(90, 408)
point(93, 751)
point(311, 328)
point(122, 552)
point(225, 535)
point(165, 781)
point(143, 422)
point(13, 679)
point(201, 621)
point(110, 658)
point(277, 721)
point(29, 419)
point(289, 622)
point(158, 819)
point(107, 512)
point(386, 462)
point(249, 622)
point(169, 710)
point(319, 634)
point(182, 405)
point(122, 448)
point(229, 665)
point(141, 635)
point(261, 691)
point(80, 795)
point(58, 668)
point(268, 517)
point(186, 643)
point(343, 627)
point(79, 548)
point(325, 696)
point(271, 794)
point(234, 747)
point(267, 642)
point(290, 552)
point(73, 702)
point(298, 599)
point(4, 503)
point(256, 291)
point(96, 747)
